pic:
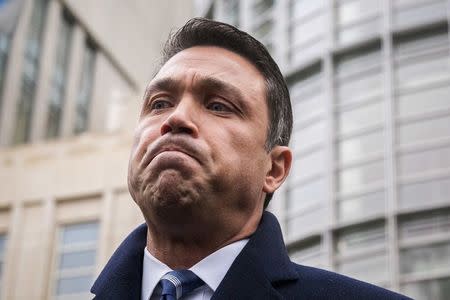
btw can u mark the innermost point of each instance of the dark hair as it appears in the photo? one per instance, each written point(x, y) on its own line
point(203, 32)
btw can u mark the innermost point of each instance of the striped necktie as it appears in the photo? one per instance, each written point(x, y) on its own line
point(178, 283)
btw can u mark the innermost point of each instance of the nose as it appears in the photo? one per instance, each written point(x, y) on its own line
point(181, 119)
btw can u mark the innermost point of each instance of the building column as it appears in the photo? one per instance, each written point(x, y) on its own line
point(46, 64)
point(13, 74)
point(73, 80)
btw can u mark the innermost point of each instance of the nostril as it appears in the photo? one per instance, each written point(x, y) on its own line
point(165, 128)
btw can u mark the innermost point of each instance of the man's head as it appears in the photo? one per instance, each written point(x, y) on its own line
point(212, 135)
point(199, 31)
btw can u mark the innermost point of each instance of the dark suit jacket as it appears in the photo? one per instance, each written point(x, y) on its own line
point(262, 270)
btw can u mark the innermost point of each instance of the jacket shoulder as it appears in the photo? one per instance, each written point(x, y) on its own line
point(314, 283)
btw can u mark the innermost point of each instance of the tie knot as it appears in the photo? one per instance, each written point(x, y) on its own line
point(178, 283)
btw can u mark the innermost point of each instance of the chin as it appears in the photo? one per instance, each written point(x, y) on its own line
point(170, 192)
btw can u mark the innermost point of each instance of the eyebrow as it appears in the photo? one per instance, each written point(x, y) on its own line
point(208, 83)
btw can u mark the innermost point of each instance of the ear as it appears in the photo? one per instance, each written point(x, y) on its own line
point(281, 160)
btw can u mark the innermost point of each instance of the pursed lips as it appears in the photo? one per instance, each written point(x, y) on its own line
point(157, 149)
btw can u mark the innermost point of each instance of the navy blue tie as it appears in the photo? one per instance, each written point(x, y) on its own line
point(178, 283)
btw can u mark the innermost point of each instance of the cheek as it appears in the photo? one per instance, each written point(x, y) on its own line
point(145, 135)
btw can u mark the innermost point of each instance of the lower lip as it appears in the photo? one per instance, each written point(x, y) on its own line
point(172, 155)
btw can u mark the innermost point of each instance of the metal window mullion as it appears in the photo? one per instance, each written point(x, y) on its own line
point(328, 70)
point(390, 161)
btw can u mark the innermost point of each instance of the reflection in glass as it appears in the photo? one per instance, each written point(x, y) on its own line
point(308, 253)
point(351, 179)
point(80, 233)
point(371, 268)
point(361, 207)
point(425, 258)
point(77, 259)
point(360, 117)
point(423, 161)
point(361, 87)
point(424, 130)
point(306, 194)
point(424, 193)
point(360, 146)
point(310, 135)
point(351, 11)
point(437, 289)
point(410, 73)
point(307, 165)
point(360, 238)
point(306, 222)
point(79, 284)
point(423, 101)
point(425, 12)
point(425, 224)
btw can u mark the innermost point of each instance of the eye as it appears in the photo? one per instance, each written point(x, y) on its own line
point(218, 107)
point(160, 104)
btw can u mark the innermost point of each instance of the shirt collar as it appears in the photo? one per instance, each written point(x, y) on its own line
point(211, 269)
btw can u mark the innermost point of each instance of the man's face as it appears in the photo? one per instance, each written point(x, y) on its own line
point(198, 155)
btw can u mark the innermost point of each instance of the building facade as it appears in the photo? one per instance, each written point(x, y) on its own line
point(369, 191)
point(72, 75)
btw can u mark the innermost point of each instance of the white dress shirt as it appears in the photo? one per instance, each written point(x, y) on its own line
point(211, 270)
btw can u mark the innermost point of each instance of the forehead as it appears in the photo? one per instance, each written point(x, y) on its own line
point(213, 62)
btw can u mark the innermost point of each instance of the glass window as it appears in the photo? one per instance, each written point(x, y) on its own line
point(362, 206)
point(307, 165)
point(427, 99)
point(32, 53)
point(424, 161)
point(310, 135)
point(307, 94)
point(4, 50)
point(368, 28)
point(362, 237)
point(425, 258)
point(354, 10)
point(306, 194)
point(305, 223)
point(351, 179)
point(260, 6)
point(428, 11)
point(74, 285)
point(308, 253)
point(77, 259)
point(409, 73)
point(85, 92)
point(2, 256)
point(79, 233)
point(302, 8)
point(357, 147)
point(361, 87)
point(77, 250)
point(358, 61)
point(307, 31)
point(424, 224)
point(420, 43)
point(371, 268)
point(310, 105)
point(424, 193)
point(360, 117)
point(231, 12)
point(424, 130)
point(264, 29)
point(436, 289)
point(56, 101)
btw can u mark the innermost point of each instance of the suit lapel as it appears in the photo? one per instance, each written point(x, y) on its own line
point(122, 276)
point(261, 265)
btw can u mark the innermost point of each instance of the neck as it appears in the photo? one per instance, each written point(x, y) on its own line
point(182, 251)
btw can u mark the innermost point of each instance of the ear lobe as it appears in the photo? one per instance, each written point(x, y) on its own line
point(281, 160)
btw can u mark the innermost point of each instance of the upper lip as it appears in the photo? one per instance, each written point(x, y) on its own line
point(171, 144)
